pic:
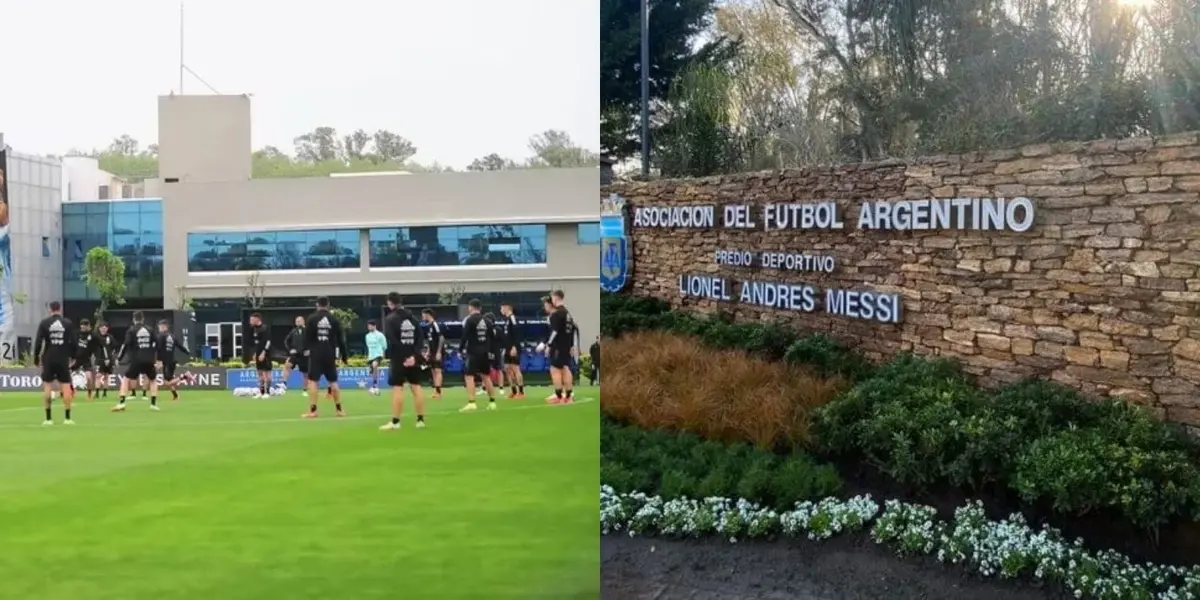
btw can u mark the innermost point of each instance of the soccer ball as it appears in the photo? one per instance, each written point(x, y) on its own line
point(79, 380)
point(374, 391)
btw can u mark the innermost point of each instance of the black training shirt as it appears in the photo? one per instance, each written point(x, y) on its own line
point(512, 331)
point(478, 338)
point(102, 345)
point(260, 339)
point(403, 334)
point(165, 347)
point(55, 340)
point(294, 342)
point(562, 329)
point(83, 346)
point(436, 341)
point(497, 332)
point(139, 344)
point(323, 335)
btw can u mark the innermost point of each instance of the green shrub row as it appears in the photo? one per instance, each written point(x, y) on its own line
point(924, 423)
point(682, 465)
point(621, 314)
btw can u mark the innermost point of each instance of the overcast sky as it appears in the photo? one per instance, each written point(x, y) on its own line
point(460, 78)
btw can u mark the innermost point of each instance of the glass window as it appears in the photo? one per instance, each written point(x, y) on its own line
point(455, 246)
point(152, 244)
point(74, 224)
point(125, 223)
point(126, 245)
point(131, 230)
point(589, 233)
point(151, 223)
point(273, 251)
point(126, 208)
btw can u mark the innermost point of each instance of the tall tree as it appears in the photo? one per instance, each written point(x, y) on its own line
point(125, 158)
point(699, 138)
point(318, 145)
point(556, 149)
point(492, 162)
point(124, 145)
point(675, 28)
point(355, 144)
point(777, 86)
point(392, 147)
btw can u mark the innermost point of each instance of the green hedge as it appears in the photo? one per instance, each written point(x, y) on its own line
point(924, 423)
point(675, 465)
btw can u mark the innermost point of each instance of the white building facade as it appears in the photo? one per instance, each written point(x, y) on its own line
point(34, 236)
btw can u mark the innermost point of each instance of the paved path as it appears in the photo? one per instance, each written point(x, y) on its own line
point(846, 568)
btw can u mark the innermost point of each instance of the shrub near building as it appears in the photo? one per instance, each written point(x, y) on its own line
point(923, 423)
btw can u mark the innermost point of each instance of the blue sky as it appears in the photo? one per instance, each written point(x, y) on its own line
point(460, 78)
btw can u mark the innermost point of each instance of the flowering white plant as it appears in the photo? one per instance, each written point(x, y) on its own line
point(1008, 548)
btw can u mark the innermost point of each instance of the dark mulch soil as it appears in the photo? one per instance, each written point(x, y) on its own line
point(1177, 544)
point(848, 567)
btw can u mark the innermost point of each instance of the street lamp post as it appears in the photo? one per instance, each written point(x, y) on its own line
point(645, 73)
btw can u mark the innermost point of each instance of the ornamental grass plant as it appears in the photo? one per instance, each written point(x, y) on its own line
point(661, 380)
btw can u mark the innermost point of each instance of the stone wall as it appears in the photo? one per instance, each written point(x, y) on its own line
point(1100, 294)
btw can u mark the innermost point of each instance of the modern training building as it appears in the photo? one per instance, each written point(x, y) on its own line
point(215, 236)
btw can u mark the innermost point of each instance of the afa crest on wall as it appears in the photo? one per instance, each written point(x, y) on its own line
point(616, 257)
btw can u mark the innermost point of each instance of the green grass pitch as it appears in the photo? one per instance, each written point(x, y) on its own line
point(232, 498)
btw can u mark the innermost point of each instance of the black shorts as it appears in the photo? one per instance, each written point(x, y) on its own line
point(104, 366)
point(560, 358)
point(479, 365)
point(399, 374)
point(168, 370)
point(323, 366)
point(438, 364)
point(375, 362)
point(498, 358)
point(263, 365)
point(56, 371)
point(509, 358)
point(298, 361)
point(84, 364)
point(137, 369)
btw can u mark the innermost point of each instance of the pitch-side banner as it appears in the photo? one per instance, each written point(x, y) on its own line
point(25, 378)
point(348, 378)
point(8, 326)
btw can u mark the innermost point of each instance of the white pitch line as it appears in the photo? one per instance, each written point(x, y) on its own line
point(146, 424)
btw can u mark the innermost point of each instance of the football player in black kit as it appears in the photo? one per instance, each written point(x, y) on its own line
point(294, 344)
point(324, 342)
point(511, 330)
point(404, 344)
point(54, 348)
point(435, 354)
point(495, 374)
point(164, 349)
point(260, 345)
point(562, 349)
point(139, 345)
point(83, 357)
point(103, 353)
point(477, 346)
